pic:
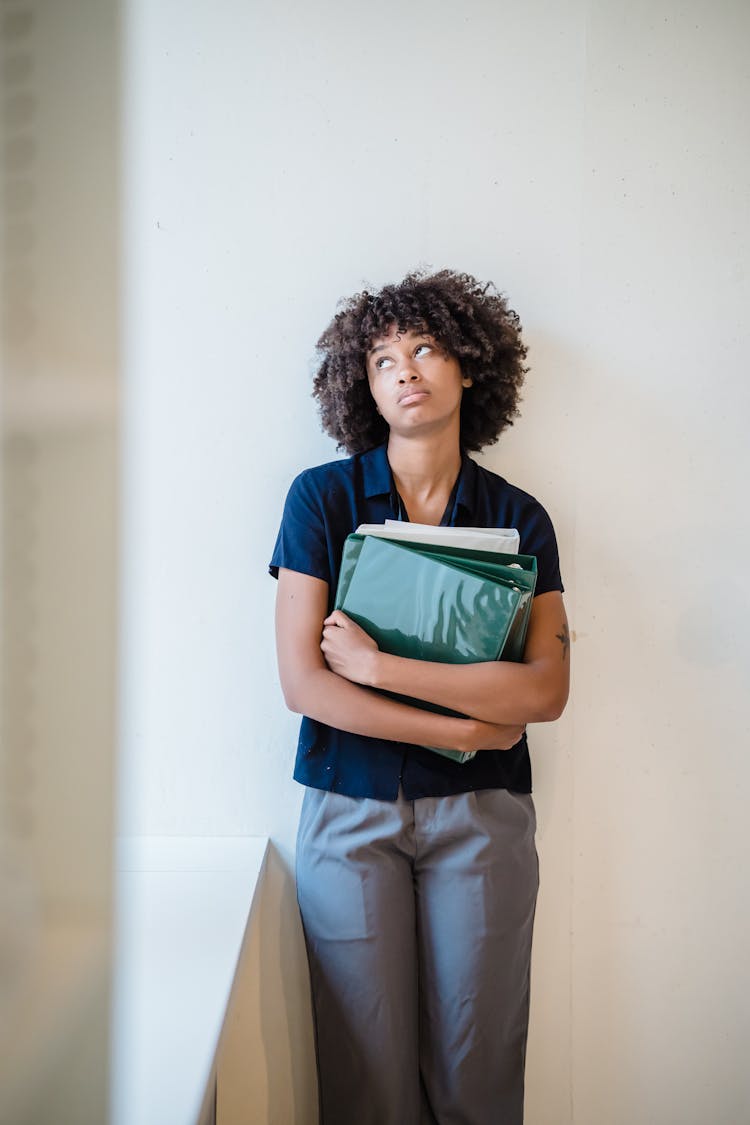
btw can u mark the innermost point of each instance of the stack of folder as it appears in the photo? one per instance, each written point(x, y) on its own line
point(453, 595)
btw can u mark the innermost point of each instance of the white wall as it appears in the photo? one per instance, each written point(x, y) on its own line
point(589, 158)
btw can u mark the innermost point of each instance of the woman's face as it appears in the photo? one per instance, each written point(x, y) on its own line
point(416, 385)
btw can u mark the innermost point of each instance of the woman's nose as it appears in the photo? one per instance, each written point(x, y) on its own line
point(407, 373)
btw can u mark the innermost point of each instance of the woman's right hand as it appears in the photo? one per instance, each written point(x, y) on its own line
point(493, 736)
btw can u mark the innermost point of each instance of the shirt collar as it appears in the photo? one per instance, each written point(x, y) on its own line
point(377, 479)
point(376, 472)
point(466, 497)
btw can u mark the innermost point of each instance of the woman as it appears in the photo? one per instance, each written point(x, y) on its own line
point(417, 875)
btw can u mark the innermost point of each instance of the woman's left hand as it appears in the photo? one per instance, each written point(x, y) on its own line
point(348, 650)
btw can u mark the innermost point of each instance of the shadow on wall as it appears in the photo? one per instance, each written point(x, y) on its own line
point(266, 1063)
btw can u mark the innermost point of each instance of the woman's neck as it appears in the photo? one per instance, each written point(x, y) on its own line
point(425, 471)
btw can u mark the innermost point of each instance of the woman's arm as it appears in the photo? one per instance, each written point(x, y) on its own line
point(311, 688)
point(496, 691)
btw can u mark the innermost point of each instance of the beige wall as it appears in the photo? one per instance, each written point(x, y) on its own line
point(591, 159)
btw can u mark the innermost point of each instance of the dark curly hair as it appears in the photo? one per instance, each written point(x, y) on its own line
point(470, 320)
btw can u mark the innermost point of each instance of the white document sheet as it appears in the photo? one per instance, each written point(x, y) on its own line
point(503, 540)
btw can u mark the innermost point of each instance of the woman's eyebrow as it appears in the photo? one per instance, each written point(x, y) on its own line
point(382, 347)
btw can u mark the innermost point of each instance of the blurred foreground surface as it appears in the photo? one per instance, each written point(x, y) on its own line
point(58, 484)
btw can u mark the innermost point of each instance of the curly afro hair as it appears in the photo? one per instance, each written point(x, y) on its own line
point(470, 320)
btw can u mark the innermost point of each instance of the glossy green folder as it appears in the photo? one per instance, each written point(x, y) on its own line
point(443, 604)
point(518, 571)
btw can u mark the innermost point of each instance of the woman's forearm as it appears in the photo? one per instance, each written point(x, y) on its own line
point(330, 699)
point(494, 692)
point(322, 695)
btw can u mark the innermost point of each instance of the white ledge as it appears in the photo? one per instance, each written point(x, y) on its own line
point(183, 904)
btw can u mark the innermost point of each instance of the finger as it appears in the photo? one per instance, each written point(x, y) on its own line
point(336, 618)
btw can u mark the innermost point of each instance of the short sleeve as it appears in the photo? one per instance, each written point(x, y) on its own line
point(538, 538)
point(302, 540)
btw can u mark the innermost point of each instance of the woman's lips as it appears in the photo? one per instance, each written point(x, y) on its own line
point(412, 397)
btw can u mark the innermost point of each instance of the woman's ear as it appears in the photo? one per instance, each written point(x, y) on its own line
point(467, 381)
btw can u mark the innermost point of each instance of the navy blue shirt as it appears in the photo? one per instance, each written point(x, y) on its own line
point(323, 506)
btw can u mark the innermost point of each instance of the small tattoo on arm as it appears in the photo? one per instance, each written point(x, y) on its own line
point(564, 639)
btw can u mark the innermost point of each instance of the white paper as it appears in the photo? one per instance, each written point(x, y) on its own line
point(503, 540)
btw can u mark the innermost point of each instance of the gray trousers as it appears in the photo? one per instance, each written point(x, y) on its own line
point(418, 918)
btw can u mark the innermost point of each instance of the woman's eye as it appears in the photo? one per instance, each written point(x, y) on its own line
point(422, 347)
point(380, 363)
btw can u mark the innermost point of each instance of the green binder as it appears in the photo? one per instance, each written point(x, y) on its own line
point(518, 571)
point(444, 604)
